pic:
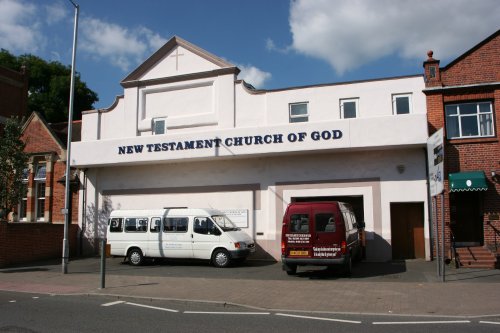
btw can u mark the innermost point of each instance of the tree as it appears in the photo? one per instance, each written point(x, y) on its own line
point(13, 162)
point(49, 84)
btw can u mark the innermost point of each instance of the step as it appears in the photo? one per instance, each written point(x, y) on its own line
point(469, 256)
point(478, 265)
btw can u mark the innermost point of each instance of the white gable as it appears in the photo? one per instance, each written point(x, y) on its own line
point(179, 61)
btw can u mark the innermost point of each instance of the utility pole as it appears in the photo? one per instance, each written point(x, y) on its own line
point(67, 199)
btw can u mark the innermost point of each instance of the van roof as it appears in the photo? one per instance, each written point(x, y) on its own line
point(164, 212)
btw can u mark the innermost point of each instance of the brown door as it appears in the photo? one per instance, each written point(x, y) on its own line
point(466, 218)
point(407, 230)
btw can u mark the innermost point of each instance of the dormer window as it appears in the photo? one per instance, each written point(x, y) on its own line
point(159, 126)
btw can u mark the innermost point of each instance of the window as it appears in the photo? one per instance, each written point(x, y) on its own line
point(175, 224)
point(469, 120)
point(299, 223)
point(401, 104)
point(136, 224)
point(40, 175)
point(205, 226)
point(159, 126)
point(325, 222)
point(22, 210)
point(349, 108)
point(116, 225)
point(155, 224)
point(298, 112)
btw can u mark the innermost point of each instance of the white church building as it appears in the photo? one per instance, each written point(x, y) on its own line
point(187, 132)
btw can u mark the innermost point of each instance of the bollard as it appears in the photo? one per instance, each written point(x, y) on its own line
point(103, 263)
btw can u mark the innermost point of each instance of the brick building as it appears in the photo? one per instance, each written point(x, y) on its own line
point(463, 98)
point(46, 146)
point(13, 93)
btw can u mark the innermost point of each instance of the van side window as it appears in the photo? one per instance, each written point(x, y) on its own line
point(299, 223)
point(155, 224)
point(325, 222)
point(175, 224)
point(116, 225)
point(348, 220)
point(205, 226)
point(136, 224)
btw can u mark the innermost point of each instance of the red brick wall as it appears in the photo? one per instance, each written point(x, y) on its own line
point(481, 65)
point(466, 70)
point(38, 139)
point(27, 242)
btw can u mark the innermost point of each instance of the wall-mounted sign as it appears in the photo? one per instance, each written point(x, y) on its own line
point(238, 216)
point(235, 141)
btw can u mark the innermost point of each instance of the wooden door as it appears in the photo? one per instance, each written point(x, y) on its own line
point(407, 230)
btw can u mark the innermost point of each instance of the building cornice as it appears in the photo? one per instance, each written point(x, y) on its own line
point(465, 86)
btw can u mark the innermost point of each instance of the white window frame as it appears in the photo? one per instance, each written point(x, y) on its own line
point(464, 116)
point(349, 100)
point(158, 121)
point(40, 182)
point(394, 103)
point(23, 204)
point(296, 117)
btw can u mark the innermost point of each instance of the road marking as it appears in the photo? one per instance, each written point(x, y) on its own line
point(420, 322)
point(489, 322)
point(36, 297)
point(319, 318)
point(151, 307)
point(13, 301)
point(113, 303)
point(227, 313)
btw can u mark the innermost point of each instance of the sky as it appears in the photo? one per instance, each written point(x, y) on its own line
point(276, 43)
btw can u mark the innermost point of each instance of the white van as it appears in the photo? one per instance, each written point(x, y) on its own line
point(196, 233)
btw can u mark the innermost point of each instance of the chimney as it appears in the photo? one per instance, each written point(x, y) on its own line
point(432, 73)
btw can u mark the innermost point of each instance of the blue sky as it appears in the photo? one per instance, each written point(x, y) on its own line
point(276, 43)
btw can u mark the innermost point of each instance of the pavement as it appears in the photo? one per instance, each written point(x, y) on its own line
point(410, 287)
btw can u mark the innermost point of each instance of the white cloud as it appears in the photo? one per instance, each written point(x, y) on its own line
point(120, 46)
point(350, 33)
point(19, 28)
point(56, 12)
point(253, 75)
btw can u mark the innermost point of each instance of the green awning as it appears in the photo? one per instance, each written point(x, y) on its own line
point(467, 181)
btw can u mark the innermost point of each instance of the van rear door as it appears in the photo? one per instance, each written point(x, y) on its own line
point(297, 232)
point(328, 231)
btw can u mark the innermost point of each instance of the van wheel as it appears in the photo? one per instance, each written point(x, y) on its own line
point(221, 258)
point(135, 257)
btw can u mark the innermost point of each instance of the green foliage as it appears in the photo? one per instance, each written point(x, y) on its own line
point(49, 84)
point(13, 161)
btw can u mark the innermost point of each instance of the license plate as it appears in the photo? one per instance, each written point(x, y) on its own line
point(299, 253)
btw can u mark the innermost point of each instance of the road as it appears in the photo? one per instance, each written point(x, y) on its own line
point(24, 312)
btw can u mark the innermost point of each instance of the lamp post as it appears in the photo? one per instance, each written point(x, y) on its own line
point(67, 217)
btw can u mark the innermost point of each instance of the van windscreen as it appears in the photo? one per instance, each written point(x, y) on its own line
point(224, 222)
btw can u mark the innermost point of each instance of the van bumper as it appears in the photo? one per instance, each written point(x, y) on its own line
point(314, 261)
point(243, 253)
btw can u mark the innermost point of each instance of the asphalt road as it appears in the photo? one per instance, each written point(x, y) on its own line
point(23, 312)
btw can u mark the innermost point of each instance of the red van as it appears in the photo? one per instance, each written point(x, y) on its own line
point(320, 233)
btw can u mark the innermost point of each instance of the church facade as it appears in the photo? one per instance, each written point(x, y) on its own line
point(187, 132)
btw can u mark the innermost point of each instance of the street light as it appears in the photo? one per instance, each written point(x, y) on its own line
point(67, 218)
